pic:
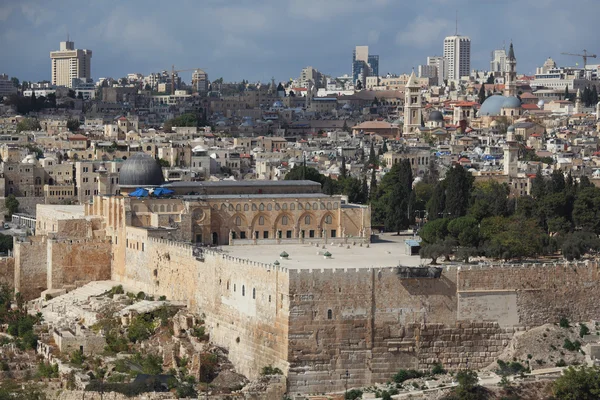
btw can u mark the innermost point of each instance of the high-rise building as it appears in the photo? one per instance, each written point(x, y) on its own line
point(457, 52)
point(69, 63)
point(200, 81)
point(498, 62)
point(363, 64)
point(6, 86)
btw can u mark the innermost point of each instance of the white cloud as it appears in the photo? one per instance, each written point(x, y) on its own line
point(424, 32)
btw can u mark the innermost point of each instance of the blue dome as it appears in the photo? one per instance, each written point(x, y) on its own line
point(511, 128)
point(511, 102)
point(492, 105)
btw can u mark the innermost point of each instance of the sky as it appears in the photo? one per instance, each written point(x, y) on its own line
point(259, 39)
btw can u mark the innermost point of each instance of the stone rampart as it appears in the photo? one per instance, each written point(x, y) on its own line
point(7, 271)
point(538, 293)
point(31, 270)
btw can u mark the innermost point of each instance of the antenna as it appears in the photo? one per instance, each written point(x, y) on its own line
point(456, 32)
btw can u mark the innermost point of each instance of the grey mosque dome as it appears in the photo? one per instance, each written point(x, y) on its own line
point(511, 128)
point(141, 170)
point(492, 105)
point(511, 102)
point(436, 116)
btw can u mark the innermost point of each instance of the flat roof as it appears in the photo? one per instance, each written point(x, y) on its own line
point(61, 211)
point(240, 183)
point(260, 196)
point(386, 253)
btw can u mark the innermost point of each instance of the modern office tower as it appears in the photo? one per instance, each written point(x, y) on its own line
point(457, 52)
point(69, 63)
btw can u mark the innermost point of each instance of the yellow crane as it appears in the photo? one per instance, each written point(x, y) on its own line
point(174, 71)
point(585, 56)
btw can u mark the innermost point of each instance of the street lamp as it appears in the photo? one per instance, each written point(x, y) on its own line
point(345, 376)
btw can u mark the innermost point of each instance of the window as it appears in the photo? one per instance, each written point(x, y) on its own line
point(288, 234)
point(292, 207)
point(329, 314)
point(246, 207)
point(234, 287)
point(284, 206)
point(315, 206)
point(311, 233)
point(284, 220)
point(328, 219)
point(265, 234)
point(269, 298)
point(238, 221)
point(238, 207)
point(253, 293)
point(227, 285)
point(253, 207)
point(333, 233)
point(307, 220)
point(261, 220)
point(307, 206)
point(261, 207)
point(242, 235)
point(243, 290)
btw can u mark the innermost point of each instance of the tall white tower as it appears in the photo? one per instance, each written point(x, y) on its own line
point(511, 154)
point(510, 76)
point(457, 52)
point(412, 105)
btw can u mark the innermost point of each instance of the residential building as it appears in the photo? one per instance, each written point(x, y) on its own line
point(69, 63)
point(200, 81)
point(457, 51)
point(6, 86)
point(441, 65)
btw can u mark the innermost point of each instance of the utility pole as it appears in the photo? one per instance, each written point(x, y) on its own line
point(345, 376)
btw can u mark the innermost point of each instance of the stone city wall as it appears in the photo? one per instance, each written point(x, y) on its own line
point(536, 293)
point(7, 271)
point(31, 267)
point(245, 303)
point(367, 321)
point(77, 262)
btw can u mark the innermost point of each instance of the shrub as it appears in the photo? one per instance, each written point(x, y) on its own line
point(385, 395)
point(48, 370)
point(564, 323)
point(572, 346)
point(270, 370)
point(561, 363)
point(406, 374)
point(438, 369)
point(510, 368)
point(208, 365)
point(583, 330)
point(140, 329)
point(353, 394)
point(199, 332)
point(141, 296)
point(577, 383)
point(77, 357)
point(162, 298)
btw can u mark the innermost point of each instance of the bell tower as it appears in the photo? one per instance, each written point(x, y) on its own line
point(412, 105)
point(510, 75)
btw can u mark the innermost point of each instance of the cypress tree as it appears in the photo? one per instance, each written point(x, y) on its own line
point(364, 192)
point(538, 185)
point(481, 96)
point(343, 172)
point(458, 191)
point(373, 188)
point(372, 156)
point(594, 97)
point(566, 92)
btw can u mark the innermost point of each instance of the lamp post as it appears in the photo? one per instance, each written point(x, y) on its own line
point(345, 376)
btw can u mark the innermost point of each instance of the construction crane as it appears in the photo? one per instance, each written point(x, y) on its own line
point(585, 56)
point(174, 71)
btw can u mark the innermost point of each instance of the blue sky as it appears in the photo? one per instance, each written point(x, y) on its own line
point(258, 39)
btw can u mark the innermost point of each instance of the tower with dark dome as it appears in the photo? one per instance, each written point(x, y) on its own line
point(140, 170)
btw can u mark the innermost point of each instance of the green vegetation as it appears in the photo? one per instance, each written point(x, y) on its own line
point(394, 198)
point(353, 394)
point(564, 323)
point(12, 204)
point(208, 365)
point(12, 390)
point(28, 124)
point(47, 370)
point(270, 370)
point(481, 219)
point(163, 163)
point(150, 364)
point(438, 369)
point(140, 328)
point(572, 346)
point(468, 387)
point(406, 374)
point(352, 187)
point(189, 120)
point(578, 383)
point(73, 124)
point(583, 330)
point(20, 324)
point(510, 368)
point(77, 358)
point(6, 243)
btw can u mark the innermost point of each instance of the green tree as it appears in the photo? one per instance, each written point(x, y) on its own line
point(490, 79)
point(567, 96)
point(481, 95)
point(343, 172)
point(384, 148)
point(28, 124)
point(437, 202)
point(458, 189)
point(301, 172)
point(73, 125)
point(538, 185)
point(582, 383)
point(489, 198)
point(373, 162)
point(373, 184)
point(586, 209)
point(398, 205)
point(12, 204)
point(15, 81)
point(163, 163)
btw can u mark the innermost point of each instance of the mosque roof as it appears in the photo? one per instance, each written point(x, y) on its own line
point(141, 169)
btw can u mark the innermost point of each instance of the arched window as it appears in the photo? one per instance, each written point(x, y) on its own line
point(293, 206)
point(315, 206)
point(269, 298)
point(329, 205)
point(322, 206)
point(277, 208)
point(216, 207)
point(253, 207)
point(238, 221)
point(231, 207)
point(269, 207)
point(162, 208)
point(328, 219)
point(246, 207)
point(254, 293)
point(329, 314)
point(284, 206)
point(261, 207)
point(307, 207)
point(307, 220)
point(243, 290)
point(261, 220)
point(335, 206)
point(284, 220)
point(238, 207)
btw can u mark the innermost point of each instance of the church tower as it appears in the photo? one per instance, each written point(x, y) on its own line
point(578, 106)
point(511, 154)
point(412, 105)
point(510, 76)
point(598, 111)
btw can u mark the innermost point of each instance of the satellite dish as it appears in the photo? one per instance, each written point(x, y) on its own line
point(540, 104)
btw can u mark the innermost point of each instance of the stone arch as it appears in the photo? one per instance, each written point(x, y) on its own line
point(328, 221)
point(279, 223)
point(255, 223)
point(302, 220)
point(241, 227)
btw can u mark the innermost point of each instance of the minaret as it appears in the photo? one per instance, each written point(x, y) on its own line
point(578, 106)
point(510, 76)
point(412, 105)
point(511, 153)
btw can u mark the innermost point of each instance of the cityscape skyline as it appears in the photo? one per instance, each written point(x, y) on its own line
point(249, 41)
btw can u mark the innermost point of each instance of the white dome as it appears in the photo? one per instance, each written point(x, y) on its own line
point(29, 159)
point(198, 149)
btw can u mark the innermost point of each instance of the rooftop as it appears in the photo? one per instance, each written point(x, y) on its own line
point(389, 252)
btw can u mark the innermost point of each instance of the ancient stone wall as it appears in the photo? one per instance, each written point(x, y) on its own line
point(369, 322)
point(76, 262)
point(7, 271)
point(245, 303)
point(30, 266)
point(539, 293)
